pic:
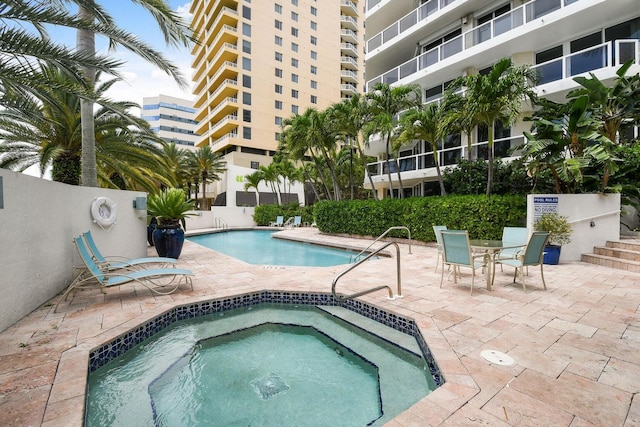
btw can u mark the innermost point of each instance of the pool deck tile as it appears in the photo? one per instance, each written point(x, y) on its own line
point(576, 345)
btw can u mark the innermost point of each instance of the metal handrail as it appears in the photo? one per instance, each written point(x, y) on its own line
point(377, 288)
point(221, 223)
point(594, 217)
point(397, 227)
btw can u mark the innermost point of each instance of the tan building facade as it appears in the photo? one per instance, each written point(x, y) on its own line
point(259, 63)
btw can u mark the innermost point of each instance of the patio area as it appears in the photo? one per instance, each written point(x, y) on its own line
point(576, 346)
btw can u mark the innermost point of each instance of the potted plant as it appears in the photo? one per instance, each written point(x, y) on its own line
point(559, 231)
point(169, 208)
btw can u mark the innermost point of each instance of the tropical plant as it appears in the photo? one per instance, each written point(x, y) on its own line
point(386, 103)
point(170, 207)
point(208, 165)
point(496, 97)
point(253, 180)
point(556, 225)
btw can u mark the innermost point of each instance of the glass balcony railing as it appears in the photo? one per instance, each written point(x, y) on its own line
point(609, 54)
point(499, 25)
point(409, 20)
point(502, 148)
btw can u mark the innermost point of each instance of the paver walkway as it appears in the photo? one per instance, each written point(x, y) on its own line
point(576, 345)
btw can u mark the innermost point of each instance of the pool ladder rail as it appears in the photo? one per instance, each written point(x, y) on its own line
point(377, 288)
point(397, 227)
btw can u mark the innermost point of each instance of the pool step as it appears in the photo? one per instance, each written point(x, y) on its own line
point(387, 333)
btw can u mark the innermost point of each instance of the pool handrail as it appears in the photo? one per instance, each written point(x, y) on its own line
point(396, 227)
point(377, 288)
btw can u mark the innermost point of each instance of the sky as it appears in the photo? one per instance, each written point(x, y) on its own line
point(142, 79)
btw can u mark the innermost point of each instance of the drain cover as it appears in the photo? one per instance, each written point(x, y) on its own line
point(269, 386)
point(497, 357)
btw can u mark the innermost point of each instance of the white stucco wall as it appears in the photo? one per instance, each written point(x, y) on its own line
point(38, 221)
point(218, 216)
point(594, 218)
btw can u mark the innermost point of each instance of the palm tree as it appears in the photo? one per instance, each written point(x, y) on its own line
point(271, 176)
point(47, 132)
point(175, 32)
point(350, 118)
point(424, 124)
point(209, 166)
point(177, 160)
point(497, 97)
point(290, 174)
point(253, 180)
point(386, 103)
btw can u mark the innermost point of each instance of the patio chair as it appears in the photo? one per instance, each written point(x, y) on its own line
point(115, 262)
point(279, 222)
point(161, 281)
point(457, 253)
point(517, 238)
point(436, 230)
point(531, 256)
point(297, 221)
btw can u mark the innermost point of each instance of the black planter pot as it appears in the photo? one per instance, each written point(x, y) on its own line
point(150, 229)
point(168, 240)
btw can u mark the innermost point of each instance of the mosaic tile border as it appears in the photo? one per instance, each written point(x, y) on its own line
point(100, 356)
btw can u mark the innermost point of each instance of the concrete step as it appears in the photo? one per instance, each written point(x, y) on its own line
point(612, 261)
point(623, 251)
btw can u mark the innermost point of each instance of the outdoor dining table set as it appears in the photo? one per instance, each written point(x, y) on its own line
point(518, 249)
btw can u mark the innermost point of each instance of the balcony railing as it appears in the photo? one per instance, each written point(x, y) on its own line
point(502, 148)
point(497, 26)
point(601, 56)
point(406, 22)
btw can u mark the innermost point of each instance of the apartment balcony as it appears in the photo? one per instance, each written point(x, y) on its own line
point(225, 125)
point(349, 76)
point(348, 89)
point(407, 22)
point(228, 70)
point(214, 40)
point(525, 35)
point(348, 22)
point(415, 168)
point(228, 88)
point(348, 63)
point(226, 17)
point(228, 52)
point(224, 141)
point(348, 7)
point(349, 36)
point(348, 49)
point(226, 107)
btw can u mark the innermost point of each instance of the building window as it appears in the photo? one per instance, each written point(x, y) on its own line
point(294, 78)
point(246, 29)
point(314, 99)
point(246, 116)
point(314, 40)
point(314, 84)
point(278, 72)
point(246, 64)
point(314, 11)
point(246, 81)
point(278, 88)
point(278, 56)
point(294, 16)
point(246, 12)
point(246, 98)
point(279, 41)
point(294, 32)
point(294, 62)
point(278, 24)
point(246, 132)
point(294, 93)
point(278, 120)
point(294, 2)
point(277, 136)
point(246, 46)
point(278, 8)
point(255, 165)
point(278, 105)
point(314, 54)
point(294, 46)
point(314, 69)
point(294, 109)
point(314, 25)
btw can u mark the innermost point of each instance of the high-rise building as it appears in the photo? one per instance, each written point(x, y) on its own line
point(432, 42)
point(258, 63)
point(172, 119)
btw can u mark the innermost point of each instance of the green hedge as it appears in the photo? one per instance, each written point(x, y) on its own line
point(265, 214)
point(484, 217)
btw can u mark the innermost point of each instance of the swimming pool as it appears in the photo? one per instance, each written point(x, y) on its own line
point(146, 385)
point(259, 247)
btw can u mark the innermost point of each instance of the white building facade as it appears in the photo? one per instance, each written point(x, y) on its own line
point(172, 119)
point(430, 43)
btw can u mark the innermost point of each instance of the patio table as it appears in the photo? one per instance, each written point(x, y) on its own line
point(492, 248)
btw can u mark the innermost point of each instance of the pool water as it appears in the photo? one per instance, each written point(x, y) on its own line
point(259, 247)
point(267, 365)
